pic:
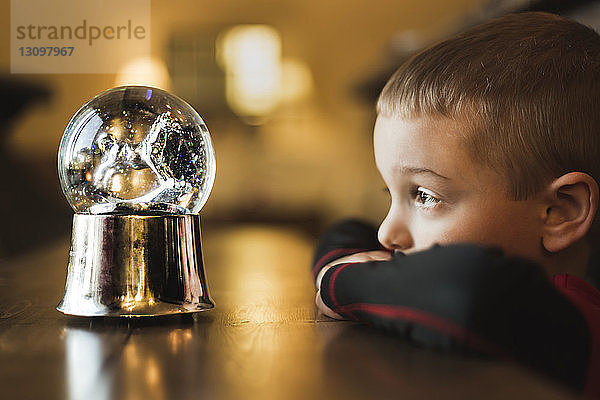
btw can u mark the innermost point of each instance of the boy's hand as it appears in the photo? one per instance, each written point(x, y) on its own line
point(324, 309)
point(366, 256)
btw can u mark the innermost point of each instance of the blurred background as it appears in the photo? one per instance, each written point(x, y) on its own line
point(293, 148)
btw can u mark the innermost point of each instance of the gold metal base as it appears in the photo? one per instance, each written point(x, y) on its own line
point(135, 266)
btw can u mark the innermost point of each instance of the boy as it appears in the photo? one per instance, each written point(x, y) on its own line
point(489, 145)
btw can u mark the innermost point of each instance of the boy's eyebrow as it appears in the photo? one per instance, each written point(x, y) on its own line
point(419, 171)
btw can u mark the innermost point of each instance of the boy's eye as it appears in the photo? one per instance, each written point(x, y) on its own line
point(425, 198)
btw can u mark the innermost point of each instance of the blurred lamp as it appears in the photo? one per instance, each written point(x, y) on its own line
point(144, 71)
point(297, 82)
point(251, 58)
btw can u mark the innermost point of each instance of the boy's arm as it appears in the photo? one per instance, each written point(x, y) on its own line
point(345, 238)
point(464, 297)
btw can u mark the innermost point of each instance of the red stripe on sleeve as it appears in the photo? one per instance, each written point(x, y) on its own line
point(332, 284)
point(451, 329)
point(337, 253)
point(587, 299)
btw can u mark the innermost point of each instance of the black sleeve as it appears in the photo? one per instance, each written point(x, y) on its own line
point(344, 238)
point(470, 298)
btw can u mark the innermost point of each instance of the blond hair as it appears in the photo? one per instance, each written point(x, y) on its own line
point(525, 86)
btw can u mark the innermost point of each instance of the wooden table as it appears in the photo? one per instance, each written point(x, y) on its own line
point(264, 339)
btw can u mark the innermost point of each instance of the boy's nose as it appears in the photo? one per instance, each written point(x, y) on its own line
point(393, 234)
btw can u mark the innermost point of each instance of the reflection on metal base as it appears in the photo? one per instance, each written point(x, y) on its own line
point(135, 265)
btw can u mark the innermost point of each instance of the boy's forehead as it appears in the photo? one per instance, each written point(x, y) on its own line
point(441, 134)
point(434, 125)
point(435, 150)
point(435, 144)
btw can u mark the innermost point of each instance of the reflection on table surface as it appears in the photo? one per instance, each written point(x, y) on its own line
point(263, 339)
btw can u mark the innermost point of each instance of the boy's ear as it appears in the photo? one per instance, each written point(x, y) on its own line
point(571, 208)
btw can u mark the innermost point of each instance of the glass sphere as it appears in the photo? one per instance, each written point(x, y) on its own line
point(136, 150)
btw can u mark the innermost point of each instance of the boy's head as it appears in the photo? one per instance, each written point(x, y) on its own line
point(518, 98)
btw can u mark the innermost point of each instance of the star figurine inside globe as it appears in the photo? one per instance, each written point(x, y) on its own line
point(136, 149)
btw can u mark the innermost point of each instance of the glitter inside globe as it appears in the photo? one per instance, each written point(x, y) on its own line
point(136, 150)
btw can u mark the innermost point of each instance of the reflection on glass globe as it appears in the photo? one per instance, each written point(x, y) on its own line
point(136, 150)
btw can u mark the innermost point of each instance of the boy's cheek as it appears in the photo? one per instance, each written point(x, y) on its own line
point(427, 233)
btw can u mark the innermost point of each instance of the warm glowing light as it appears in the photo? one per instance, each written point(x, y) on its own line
point(251, 58)
point(131, 356)
point(263, 282)
point(297, 82)
point(144, 71)
point(152, 372)
point(179, 337)
point(128, 301)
